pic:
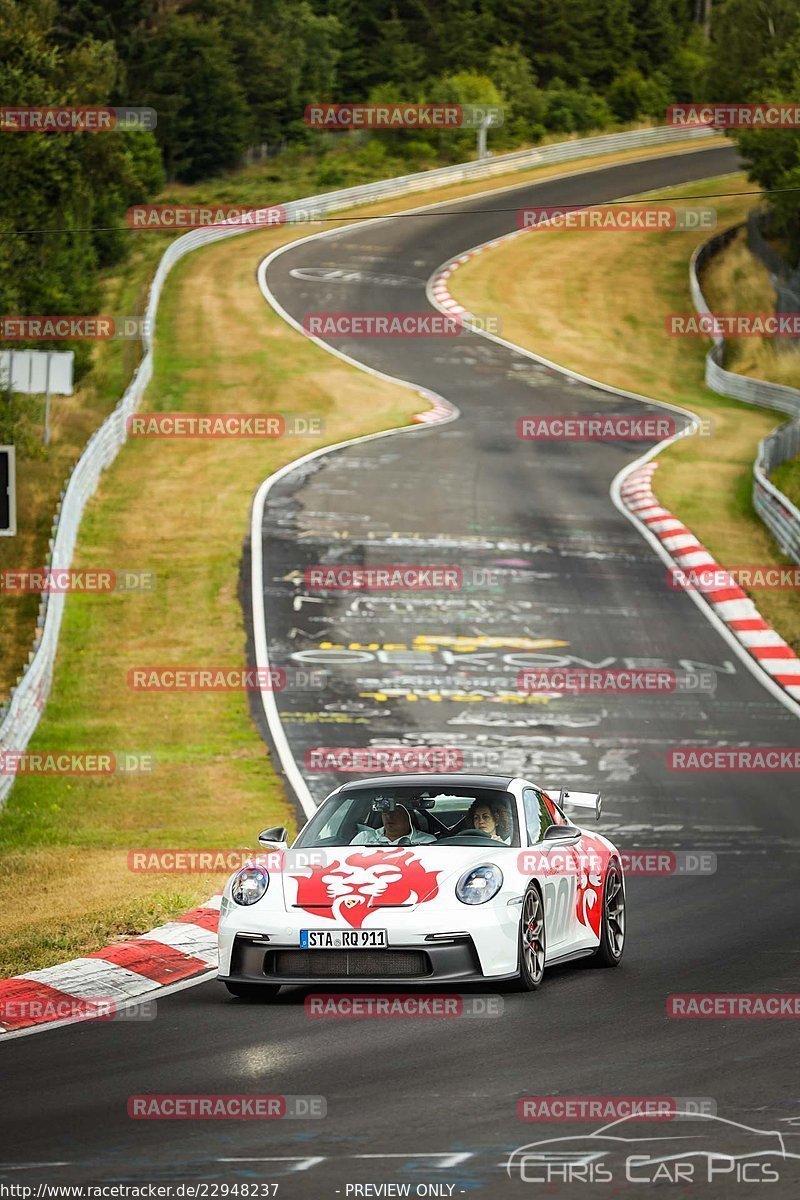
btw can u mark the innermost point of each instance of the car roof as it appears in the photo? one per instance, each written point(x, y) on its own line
point(449, 779)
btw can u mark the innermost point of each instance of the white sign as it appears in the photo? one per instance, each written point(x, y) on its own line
point(28, 371)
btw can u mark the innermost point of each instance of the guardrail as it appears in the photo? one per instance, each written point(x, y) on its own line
point(777, 512)
point(19, 718)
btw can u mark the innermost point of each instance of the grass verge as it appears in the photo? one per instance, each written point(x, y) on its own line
point(735, 281)
point(608, 295)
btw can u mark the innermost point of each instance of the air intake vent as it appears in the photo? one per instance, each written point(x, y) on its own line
point(348, 964)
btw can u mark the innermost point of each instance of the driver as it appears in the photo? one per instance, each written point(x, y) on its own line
point(491, 819)
point(398, 830)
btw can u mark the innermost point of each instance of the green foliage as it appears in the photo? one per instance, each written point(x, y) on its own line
point(747, 37)
point(632, 96)
point(60, 221)
point(767, 64)
point(575, 109)
point(230, 80)
point(524, 101)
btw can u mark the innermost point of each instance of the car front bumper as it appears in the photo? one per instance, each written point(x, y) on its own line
point(253, 959)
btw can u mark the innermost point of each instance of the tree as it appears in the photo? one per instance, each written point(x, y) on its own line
point(523, 100)
point(772, 156)
point(65, 185)
point(747, 36)
point(185, 71)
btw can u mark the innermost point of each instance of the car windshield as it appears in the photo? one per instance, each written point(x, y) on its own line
point(403, 815)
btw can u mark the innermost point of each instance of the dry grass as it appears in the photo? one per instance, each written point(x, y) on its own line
point(178, 509)
point(736, 281)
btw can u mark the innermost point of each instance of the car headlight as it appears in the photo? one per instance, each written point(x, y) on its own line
point(249, 885)
point(479, 884)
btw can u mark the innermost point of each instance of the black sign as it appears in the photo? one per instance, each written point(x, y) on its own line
point(7, 497)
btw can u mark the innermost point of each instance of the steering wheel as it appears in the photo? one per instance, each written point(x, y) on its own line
point(472, 833)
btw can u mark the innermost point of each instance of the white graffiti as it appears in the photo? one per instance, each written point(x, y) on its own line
point(346, 275)
point(527, 720)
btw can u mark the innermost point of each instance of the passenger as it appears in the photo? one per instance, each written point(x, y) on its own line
point(398, 830)
point(492, 819)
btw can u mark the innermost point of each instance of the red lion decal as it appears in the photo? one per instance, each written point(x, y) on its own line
point(353, 887)
point(591, 864)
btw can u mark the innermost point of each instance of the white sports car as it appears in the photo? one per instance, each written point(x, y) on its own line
point(425, 879)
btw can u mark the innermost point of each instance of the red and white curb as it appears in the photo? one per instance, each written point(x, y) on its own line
point(440, 409)
point(439, 287)
point(732, 605)
point(135, 969)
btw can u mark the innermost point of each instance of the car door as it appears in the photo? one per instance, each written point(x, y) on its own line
point(555, 863)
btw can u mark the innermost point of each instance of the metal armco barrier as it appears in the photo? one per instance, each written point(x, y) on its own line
point(776, 510)
point(19, 718)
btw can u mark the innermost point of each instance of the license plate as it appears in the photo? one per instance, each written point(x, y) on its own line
point(342, 939)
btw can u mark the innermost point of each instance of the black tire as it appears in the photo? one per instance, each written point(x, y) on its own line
point(531, 950)
point(612, 926)
point(252, 991)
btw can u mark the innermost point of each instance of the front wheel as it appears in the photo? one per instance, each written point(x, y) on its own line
point(612, 926)
point(531, 942)
point(252, 991)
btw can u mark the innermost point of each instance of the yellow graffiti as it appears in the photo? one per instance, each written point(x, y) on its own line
point(455, 697)
point(434, 641)
point(479, 641)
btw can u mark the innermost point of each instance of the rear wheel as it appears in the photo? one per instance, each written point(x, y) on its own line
point(612, 927)
point(531, 941)
point(252, 991)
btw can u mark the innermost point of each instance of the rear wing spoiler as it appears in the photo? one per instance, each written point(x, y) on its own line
point(585, 801)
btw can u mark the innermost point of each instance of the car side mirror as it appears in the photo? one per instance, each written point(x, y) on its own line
point(561, 833)
point(275, 838)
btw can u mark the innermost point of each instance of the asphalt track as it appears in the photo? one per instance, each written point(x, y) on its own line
point(546, 559)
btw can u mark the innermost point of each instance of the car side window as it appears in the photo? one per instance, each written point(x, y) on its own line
point(537, 814)
point(555, 811)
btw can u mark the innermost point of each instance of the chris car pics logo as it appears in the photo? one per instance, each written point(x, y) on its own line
point(698, 1147)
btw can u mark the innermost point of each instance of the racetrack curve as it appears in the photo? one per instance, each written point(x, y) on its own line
point(559, 570)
